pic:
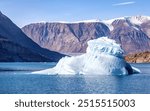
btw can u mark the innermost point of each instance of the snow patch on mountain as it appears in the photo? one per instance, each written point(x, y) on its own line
point(74, 22)
point(135, 20)
point(138, 20)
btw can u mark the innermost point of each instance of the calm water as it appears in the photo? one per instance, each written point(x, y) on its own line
point(17, 78)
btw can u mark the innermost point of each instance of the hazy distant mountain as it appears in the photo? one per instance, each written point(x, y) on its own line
point(16, 46)
point(133, 33)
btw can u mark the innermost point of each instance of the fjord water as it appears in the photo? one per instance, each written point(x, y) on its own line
point(16, 78)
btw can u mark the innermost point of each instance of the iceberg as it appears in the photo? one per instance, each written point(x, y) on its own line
point(103, 57)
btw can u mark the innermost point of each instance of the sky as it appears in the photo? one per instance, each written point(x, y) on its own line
point(23, 12)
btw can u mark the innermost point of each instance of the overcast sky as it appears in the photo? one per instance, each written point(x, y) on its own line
point(23, 12)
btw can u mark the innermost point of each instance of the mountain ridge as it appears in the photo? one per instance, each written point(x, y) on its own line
point(12, 35)
point(131, 32)
point(137, 17)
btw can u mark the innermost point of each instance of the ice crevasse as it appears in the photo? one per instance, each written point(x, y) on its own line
point(103, 57)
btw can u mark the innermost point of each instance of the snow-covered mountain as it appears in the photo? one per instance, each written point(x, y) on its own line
point(134, 20)
point(133, 33)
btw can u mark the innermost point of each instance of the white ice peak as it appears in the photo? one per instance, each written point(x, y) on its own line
point(104, 45)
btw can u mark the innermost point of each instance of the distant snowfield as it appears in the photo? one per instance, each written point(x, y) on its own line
point(103, 57)
point(136, 20)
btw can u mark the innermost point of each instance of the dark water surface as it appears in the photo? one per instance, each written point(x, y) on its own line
point(16, 78)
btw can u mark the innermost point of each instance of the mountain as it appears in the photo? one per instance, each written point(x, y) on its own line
point(143, 57)
point(16, 46)
point(65, 37)
point(133, 33)
point(129, 33)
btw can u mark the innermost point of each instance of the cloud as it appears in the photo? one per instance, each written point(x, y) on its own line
point(124, 3)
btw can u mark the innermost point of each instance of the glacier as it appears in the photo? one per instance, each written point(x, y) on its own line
point(103, 57)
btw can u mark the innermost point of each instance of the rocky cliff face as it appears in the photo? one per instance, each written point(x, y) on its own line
point(16, 46)
point(65, 37)
point(131, 32)
point(131, 38)
point(143, 57)
point(12, 52)
point(145, 27)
